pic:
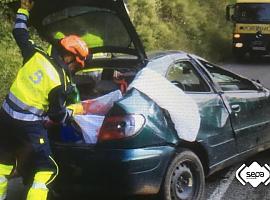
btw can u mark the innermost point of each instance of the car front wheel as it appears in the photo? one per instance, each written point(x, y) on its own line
point(184, 178)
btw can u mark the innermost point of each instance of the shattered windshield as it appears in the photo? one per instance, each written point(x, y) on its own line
point(97, 27)
point(252, 12)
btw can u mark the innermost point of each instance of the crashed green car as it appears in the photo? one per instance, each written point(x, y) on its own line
point(141, 148)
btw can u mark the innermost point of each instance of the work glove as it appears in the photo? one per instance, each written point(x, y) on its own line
point(77, 109)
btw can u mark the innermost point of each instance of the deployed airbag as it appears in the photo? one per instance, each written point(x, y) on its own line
point(183, 109)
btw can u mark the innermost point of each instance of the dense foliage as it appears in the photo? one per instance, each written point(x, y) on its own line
point(196, 26)
point(10, 58)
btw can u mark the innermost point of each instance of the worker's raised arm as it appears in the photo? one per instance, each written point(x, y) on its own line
point(20, 31)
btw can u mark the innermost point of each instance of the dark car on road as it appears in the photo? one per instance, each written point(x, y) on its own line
point(139, 151)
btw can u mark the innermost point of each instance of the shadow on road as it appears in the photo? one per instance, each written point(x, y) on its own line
point(109, 198)
point(253, 60)
point(261, 158)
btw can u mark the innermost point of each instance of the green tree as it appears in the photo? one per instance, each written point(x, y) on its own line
point(196, 26)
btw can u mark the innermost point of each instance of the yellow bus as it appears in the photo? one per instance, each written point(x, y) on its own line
point(251, 32)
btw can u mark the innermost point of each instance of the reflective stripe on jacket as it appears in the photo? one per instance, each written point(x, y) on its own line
point(19, 115)
point(33, 83)
point(40, 88)
point(31, 88)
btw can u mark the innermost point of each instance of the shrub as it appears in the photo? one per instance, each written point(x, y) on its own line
point(195, 26)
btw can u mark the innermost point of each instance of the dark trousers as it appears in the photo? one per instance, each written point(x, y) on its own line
point(24, 142)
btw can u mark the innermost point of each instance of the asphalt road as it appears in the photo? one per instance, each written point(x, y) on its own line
point(222, 185)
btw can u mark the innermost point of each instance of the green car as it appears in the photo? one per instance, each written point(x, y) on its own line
point(138, 149)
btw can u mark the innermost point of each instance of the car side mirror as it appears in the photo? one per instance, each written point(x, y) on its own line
point(258, 85)
point(260, 88)
point(229, 10)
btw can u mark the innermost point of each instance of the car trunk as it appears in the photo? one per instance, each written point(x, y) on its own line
point(98, 94)
point(104, 25)
point(116, 52)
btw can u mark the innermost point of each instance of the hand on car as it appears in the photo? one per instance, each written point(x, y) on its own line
point(27, 4)
point(77, 109)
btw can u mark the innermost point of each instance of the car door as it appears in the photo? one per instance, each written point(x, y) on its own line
point(245, 101)
point(265, 115)
point(215, 132)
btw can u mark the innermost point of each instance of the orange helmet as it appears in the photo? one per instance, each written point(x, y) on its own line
point(76, 46)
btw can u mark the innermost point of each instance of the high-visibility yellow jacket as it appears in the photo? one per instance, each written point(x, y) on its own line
point(41, 86)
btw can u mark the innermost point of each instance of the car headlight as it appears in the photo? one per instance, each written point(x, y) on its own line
point(239, 45)
point(236, 35)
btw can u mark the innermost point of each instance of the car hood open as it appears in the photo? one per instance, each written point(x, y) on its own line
point(103, 24)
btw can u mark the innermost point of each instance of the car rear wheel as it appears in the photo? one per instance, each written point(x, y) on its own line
point(184, 178)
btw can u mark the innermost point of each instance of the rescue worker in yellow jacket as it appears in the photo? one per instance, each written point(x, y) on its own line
point(38, 94)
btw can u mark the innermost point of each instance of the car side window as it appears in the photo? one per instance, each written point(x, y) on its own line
point(183, 75)
point(227, 80)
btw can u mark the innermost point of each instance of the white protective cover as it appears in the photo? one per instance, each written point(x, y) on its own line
point(102, 104)
point(90, 125)
point(96, 110)
point(183, 109)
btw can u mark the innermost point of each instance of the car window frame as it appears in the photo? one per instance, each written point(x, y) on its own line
point(203, 62)
point(196, 72)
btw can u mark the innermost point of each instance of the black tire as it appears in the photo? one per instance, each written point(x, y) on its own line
point(184, 179)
